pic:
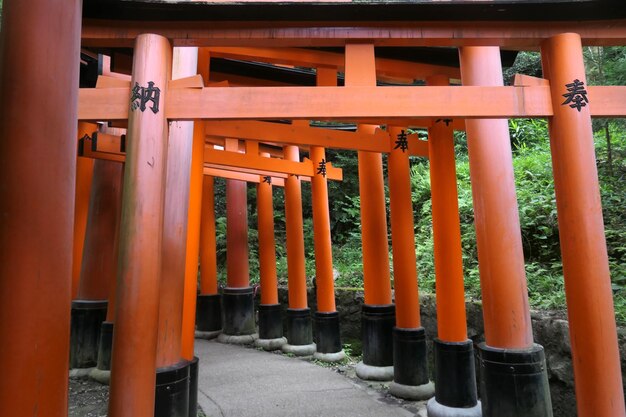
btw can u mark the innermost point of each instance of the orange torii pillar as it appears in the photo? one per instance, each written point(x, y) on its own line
point(455, 374)
point(209, 310)
point(39, 50)
point(172, 376)
point(410, 354)
point(298, 316)
point(270, 315)
point(133, 362)
point(238, 296)
point(510, 362)
point(593, 333)
point(327, 324)
point(39, 75)
point(209, 301)
point(84, 175)
point(194, 214)
point(99, 265)
point(378, 312)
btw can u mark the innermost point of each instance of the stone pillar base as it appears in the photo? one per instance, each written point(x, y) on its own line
point(374, 373)
point(299, 327)
point(456, 374)
point(412, 392)
point(410, 364)
point(247, 339)
point(434, 409)
point(271, 344)
point(299, 350)
point(330, 357)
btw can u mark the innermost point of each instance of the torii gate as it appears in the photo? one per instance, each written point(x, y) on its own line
point(36, 250)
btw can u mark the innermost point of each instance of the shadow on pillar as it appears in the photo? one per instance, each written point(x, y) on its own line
point(102, 371)
point(172, 391)
point(87, 317)
point(270, 327)
point(328, 337)
point(238, 316)
point(208, 316)
point(410, 365)
point(455, 381)
point(514, 382)
point(377, 323)
point(299, 332)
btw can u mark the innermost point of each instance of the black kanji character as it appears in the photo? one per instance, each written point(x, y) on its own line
point(145, 95)
point(576, 95)
point(402, 142)
point(267, 179)
point(321, 169)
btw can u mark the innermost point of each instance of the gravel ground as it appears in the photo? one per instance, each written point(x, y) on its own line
point(89, 398)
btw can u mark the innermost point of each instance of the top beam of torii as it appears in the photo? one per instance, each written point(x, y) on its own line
point(270, 23)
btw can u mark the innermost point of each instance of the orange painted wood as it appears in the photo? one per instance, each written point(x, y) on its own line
point(290, 134)
point(324, 278)
point(498, 237)
point(307, 34)
point(317, 59)
point(593, 334)
point(258, 163)
point(360, 71)
point(296, 272)
point(39, 70)
point(208, 255)
point(192, 81)
point(267, 244)
point(234, 175)
point(194, 60)
point(137, 308)
point(237, 261)
point(448, 255)
point(99, 264)
point(106, 143)
point(84, 175)
point(175, 223)
point(402, 236)
point(356, 103)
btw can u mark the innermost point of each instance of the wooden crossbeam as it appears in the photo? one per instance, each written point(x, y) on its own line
point(242, 176)
point(312, 58)
point(349, 103)
point(522, 34)
point(258, 163)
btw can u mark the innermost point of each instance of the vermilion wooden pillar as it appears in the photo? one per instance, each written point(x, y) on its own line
point(455, 383)
point(298, 316)
point(208, 313)
point(238, 296)
point(508, 332)
point(39, 50)
point(209, 310)
point(270, 314)
point(326, 317)
point(410, 355)
point(99, 264)
point(133, 367)
point(84, 174)
point(172, 389)
point(378, 315)
point(593, 334)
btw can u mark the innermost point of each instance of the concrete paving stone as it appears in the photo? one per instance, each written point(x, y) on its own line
point(236, 381)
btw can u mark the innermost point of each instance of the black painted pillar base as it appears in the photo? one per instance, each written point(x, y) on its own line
point(410, 365)
point(208, 313)
point(102, 372)
point(455, 381)
point(87, 317)
point(193, 387)
point(172, 391)
point(514, 383)
point(328, 337)
point(377, 323)
point(270, 327)
point(299, 332)
point(238, 311)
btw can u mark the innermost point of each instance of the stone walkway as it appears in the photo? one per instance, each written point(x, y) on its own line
point(239, 381)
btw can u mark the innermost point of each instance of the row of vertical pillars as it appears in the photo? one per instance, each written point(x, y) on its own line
point(39, 251)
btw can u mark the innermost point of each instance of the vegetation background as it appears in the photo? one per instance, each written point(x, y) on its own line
point(535, 193)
